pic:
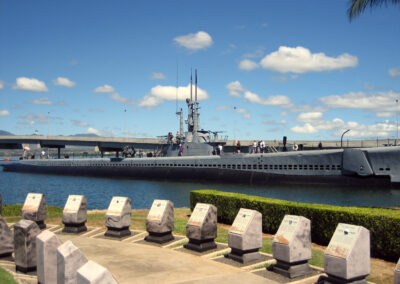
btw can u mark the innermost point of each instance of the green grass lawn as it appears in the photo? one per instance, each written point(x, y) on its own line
point(6, 277)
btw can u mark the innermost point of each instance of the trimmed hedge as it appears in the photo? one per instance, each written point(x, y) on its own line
point(384, 224)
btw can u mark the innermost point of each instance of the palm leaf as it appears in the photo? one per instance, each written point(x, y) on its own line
point(356, 7)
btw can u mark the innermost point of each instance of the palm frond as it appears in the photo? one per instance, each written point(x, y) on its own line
point(356, 7)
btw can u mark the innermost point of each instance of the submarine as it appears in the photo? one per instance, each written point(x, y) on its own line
point(193, 156)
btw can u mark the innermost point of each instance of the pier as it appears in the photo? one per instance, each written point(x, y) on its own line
point(116, 144)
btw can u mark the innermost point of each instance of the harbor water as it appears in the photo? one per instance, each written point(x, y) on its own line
point(99, 191)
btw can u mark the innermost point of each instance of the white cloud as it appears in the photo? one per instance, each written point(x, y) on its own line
point(102, 133)
point(301, 60)
point(306, 128)
point(385, 114)
point(247, 64)
point(30, 84)
point(235, 89)
point(61, 81)
point(158, 76)
point(150, 102)
point(337, 126)
point(42, 101)
point(256, 53)
point(104, 89)
point(120, 99)
point(1, 84)
point(278, 100)
point(304, 108)
point(159, 93)
point(380, 129)
point(31, 119)
point(195, 41)
point(79, 123)
point(379, 102)
point(244, 112)
point(223, 107)
point(4, 112)
point(395, 71)
point(309, 116)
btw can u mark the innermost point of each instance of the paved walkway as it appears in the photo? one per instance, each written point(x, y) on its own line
point(131, 261)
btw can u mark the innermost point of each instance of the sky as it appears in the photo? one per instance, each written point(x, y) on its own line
point(266, 69)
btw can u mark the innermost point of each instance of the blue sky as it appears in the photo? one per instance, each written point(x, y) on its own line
point(265, 68)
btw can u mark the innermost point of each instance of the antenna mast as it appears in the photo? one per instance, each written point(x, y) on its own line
point(196, 113)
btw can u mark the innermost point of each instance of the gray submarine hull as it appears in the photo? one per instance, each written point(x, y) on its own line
point(348, 167)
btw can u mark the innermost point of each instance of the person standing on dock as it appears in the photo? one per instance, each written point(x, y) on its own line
point(238, 147)
point(180, 150)
point(221, 149)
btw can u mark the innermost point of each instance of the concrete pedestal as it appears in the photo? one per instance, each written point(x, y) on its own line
point(117, 232)
point(397, 273)
point(347, 257)
point(25, 233)
point(46, 250)
point(292, 270)
point(69, 260)
point(75, 214)
point(245, 236)
point(6, 239)
point(291, 247)
point(201, 245)
point(93, 273)
point(160, 238)
point(118, 217)
point(244, 256)
point(160, 222)
point(74, 228)
point(336, 280)
point(34, 209)
point(201, 229)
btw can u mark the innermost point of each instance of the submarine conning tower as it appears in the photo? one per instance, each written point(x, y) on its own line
point(194, 142)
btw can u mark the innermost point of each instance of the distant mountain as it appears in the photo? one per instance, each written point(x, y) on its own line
point(3, 132)
point(86, 135)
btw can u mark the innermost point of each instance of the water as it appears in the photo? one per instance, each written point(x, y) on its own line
point(99, 191)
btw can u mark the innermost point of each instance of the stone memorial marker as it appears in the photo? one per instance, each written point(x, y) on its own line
point(46, 252)
point(160, 222)
point(397, 273)
point(291, 247)
point(75, 214)
point(25, 233)
point(201, 228)
point(34, 209)
point(118, 217)
point(245, 236)
point(69, 260)
point(347, 257)
point(93, 273)
point(6, 239)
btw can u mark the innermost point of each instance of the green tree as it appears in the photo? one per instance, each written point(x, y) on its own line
point(358, 6)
